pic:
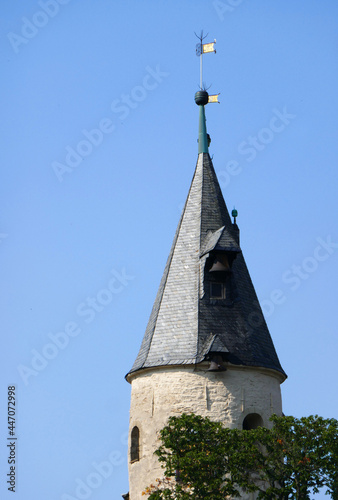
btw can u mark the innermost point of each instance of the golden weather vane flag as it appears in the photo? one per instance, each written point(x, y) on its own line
point(204, 48)
point(213, 98)
point(208, 47)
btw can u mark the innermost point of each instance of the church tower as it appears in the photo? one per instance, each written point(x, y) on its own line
point(207, 349)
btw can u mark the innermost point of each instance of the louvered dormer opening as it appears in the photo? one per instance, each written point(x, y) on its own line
point(218, 278)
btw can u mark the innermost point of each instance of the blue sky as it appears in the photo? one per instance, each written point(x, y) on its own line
point(99, 131)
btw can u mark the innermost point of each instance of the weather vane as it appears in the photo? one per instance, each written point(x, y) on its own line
point(205, 48)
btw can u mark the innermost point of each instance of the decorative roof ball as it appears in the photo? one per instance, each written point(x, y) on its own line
point(201, 97)
point(234, 213)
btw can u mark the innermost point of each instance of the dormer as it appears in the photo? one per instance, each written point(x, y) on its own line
point(220, 249)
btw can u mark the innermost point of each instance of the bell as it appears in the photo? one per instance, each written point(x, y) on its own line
point(218, 266)
point(216, 365)
point(221, 263)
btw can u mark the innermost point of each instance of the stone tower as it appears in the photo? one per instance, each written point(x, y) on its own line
point(207, 348)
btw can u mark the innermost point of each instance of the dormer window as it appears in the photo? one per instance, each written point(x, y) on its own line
point(217, 291)
point(218, 277)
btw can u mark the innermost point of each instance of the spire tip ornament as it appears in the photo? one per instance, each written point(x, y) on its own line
point(234, 213)
point(202, 97)
point(203, 48)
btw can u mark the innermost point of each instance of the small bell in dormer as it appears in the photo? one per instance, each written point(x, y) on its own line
point(220, 263)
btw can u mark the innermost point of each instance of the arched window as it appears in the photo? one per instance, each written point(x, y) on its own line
point(252, 421)
point(135, 445)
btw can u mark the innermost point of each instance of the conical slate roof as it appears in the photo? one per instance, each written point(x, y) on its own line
point(187, 324)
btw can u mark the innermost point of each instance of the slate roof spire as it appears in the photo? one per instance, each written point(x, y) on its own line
point(206, 304)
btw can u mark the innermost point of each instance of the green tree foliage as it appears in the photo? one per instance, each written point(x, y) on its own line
point(203, 459)
point(297, 457)
point(195, 454)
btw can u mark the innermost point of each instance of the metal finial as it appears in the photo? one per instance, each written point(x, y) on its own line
point(202, 97)
point(203, 48)
point(234, 213)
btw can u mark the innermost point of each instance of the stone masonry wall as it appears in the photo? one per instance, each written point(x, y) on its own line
point(222, 396)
